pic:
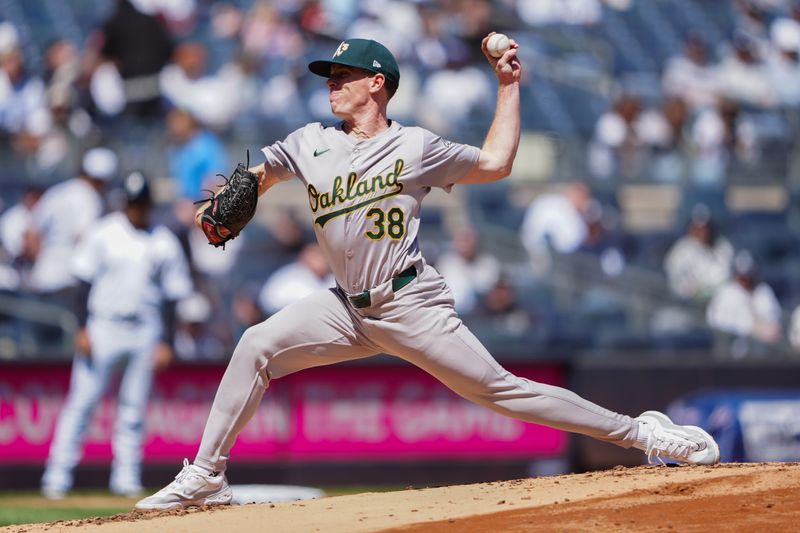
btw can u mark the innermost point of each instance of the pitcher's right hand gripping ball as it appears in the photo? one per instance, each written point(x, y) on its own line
point(232, 207)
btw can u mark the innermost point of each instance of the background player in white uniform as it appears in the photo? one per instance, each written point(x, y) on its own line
point(365, 178)
point(131, 275)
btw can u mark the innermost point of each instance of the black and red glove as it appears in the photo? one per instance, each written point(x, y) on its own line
point(232, 207)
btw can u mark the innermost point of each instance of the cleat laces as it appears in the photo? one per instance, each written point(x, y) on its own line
point(671, 447)
point(186, 472)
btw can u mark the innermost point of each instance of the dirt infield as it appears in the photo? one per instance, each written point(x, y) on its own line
point(728, 497)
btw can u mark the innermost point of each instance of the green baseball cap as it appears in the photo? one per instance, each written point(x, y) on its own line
point(360, 53)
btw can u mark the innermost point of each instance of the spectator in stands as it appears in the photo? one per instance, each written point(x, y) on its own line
point(72, 126)
point(745, 307)
point(468, 273)
point(296, 280)
point(602, 239)
point(313, 19)
point(194, 339)
point(743, 75)
point(624, 138)
point(53, 136)
point(15, 233)
point(436, 47)
point(451, 95)
point(62, 217)
point(214, 99)
point(500, 310)
point(267, 32)
point(132, 47)
point(22, 94)
point(718, 137)
point(784, 61)
point(690, 76)
point(196, 155)
point(555, 221)
point(700, 261)
point(62, 64)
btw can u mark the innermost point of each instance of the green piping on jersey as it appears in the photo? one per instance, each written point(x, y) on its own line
point(353, 191)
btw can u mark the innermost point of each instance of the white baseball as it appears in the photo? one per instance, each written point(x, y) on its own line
point(498, 44)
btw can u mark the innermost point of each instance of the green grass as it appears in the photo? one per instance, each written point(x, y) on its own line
point(29, 515)
point(29, 507)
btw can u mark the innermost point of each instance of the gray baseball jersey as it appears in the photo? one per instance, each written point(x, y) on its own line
point(365, 195)
point(364, 198)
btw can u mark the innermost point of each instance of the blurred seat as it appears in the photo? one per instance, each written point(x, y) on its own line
point(491, 204)
point(697, 339)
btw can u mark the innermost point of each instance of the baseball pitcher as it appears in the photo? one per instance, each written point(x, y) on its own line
point(366, 177)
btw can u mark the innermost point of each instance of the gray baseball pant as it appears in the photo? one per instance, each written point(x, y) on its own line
point(417, 324)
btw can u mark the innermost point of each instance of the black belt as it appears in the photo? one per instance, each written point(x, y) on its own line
point(362, 300)
point(134, 319)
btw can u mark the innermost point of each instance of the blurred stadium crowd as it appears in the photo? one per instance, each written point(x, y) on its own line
point(653, 207)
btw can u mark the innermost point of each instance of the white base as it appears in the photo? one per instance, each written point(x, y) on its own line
point(243, 494)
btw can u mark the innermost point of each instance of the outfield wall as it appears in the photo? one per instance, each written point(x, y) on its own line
point(382, 420)
point(337, 413)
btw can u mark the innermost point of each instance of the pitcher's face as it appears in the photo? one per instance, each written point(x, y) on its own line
point(349, 90)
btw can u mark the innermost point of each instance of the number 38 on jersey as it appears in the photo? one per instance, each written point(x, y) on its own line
point(391, 223)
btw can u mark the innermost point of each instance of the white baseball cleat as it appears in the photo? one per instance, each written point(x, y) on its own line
point(668, 440)
point(193, 486)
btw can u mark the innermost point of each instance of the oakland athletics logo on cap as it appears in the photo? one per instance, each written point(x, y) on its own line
point(342, 47)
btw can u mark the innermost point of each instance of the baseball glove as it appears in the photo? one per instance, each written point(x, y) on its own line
point(232, 207)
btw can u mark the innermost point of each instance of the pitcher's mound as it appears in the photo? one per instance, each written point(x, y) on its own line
point(727, 497)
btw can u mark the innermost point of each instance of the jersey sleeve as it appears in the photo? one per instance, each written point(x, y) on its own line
point(286, 153)
point(445, 162)
point(176, 283)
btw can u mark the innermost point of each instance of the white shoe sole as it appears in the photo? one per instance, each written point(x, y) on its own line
point(696, 431)
point(222, 497)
